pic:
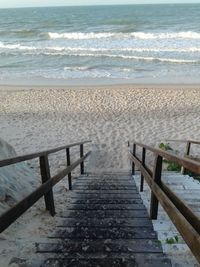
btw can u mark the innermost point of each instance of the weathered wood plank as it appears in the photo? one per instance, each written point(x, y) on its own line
point(157, 179)
point(15, 212)
point(104, 196)
point(105, 201)
point(105, 214)
point(113, 222)
point(82, 232)
point(181, 205)
point(14, 160)
point(106, 207)
point(189, 234)
point(99, 191)
point(81, 155)
point(189, 164)
point(107, 222)
point(94, 246)
point(111, 260)
point(68, 164)
point(45, 175)
point(104, 187)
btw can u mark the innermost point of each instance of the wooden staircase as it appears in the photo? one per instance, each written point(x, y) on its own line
point(105, 225)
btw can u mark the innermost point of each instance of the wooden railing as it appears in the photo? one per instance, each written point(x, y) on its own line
point(185, 220)
point(187, 148)
point(48, 182)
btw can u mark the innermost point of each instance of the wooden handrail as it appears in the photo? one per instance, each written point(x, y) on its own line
point(190, 164)
point(183, 141)
point(18, 159)
point(187, 148)
point(185, 220)
point(8, 217)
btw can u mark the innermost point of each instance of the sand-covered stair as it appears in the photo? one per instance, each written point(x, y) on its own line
point(105, 224)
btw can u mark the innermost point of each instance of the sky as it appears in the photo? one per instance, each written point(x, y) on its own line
point(30, 3)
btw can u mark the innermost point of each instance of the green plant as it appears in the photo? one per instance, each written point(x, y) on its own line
point(171, 166)
point(172, 240)
point(165, 146)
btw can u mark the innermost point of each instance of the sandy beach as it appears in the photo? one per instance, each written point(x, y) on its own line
point(39, 118)
point(33, 119)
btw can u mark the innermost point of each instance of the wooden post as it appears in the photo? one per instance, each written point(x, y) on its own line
point(68, 164)
point(187, 153)
point(133, 164)
point(143, 164)
point(81, 155)
point(157, 178)
point(45, 175)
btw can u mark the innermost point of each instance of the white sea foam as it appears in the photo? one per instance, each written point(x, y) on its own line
point(17, 46)
point(102, 52)
point(79, 35)
point(79, 68)
point(172, 60)
point(64, 49)
point(167, 35)
point(136, 35)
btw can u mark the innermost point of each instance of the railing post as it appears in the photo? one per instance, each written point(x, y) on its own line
point(68, 164)
point(187, 153)
point(157, 179)
point(133, 164)
point(45, 175)
point(81, 155)
point(143, 164)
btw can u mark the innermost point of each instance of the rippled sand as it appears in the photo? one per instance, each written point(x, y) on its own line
point(42, 118)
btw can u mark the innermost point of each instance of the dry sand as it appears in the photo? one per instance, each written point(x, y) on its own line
point(33, 119)
point(37, 119)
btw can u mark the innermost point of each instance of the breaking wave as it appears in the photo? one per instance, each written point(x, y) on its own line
point(136, 35)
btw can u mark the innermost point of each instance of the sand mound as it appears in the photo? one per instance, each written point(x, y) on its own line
point(16, 180)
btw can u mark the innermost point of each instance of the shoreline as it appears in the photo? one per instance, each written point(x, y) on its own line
point(100, 82)
point(18, 87)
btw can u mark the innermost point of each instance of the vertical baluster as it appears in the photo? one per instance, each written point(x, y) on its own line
point(81, 155)
point(68, 164)
point(157, 178)
point(143, 164)
point(187, 153)
point(133, 164)
point(45, 175)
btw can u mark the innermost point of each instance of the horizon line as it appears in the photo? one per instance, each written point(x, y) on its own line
point(89, 5)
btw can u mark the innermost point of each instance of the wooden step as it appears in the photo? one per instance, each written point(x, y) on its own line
point(136, 260)
point(104, 196)
point(105, 224)
point(99, 191)
point(103, 246)
point(105, 201)
point(133, 206)
point(104, 233)
point(104, 214)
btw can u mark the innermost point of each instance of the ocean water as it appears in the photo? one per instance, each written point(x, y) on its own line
point(129, 43)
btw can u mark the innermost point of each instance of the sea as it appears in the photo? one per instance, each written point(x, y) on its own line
point(118, 43)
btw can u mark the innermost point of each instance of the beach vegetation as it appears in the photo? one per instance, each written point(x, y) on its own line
point(172, 240)
point(165, 146)
point(170, 165)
